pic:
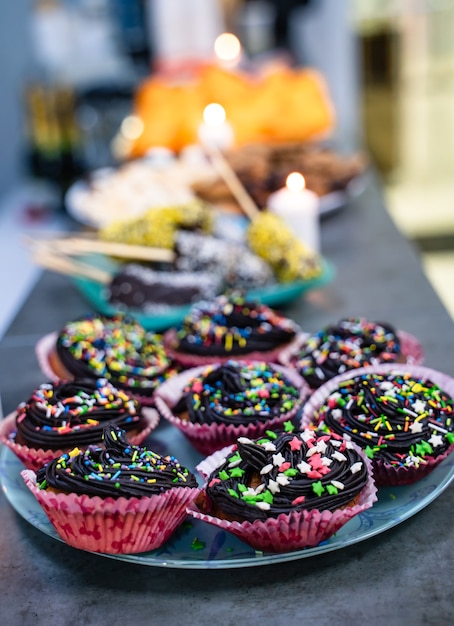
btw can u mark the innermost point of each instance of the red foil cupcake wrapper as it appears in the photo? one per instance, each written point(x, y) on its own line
point(287, 532)
point(206, 438)
point(385, 474)
point(410, 347)
point(34, 458)
point(194, 360)
point(122, 526)
point(45, 351)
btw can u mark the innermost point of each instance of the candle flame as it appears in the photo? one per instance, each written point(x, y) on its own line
point(295, 182)
point(214, 114)
point(227, 47)
point(132, 127)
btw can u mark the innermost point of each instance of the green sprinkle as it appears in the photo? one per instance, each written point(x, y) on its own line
point(197, 544)
point(369, 452)
point(423, 448)
point(233, 493)
point(236, 472)
point(450, 437)
point(271, 434)
point(318, 488)
point(291, 471)
point(289, 427)
point(332, 490)
point(267, 496)
point(223, 475)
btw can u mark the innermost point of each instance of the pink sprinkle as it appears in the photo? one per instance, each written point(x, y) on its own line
point(299, 500)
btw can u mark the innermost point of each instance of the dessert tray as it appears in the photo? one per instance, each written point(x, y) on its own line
point(274, 295)
point(170, 186)
point(196, 545)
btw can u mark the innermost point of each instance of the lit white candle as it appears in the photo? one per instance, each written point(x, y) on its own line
point(299, 208)
point(227, 49)
point(215, 129)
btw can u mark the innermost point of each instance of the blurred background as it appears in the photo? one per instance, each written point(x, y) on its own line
point(69, 70)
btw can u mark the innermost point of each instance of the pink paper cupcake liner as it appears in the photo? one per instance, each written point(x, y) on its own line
point(123, 526)
point(287, 532)
point(34, 458)
point(45, 351)
point(386, 475)
point(206, 438)
point(410, 346)
point(193, 360)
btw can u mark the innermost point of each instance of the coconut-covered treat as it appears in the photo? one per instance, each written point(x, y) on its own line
point(402, 419)
point(286, 490)
point(235, 263)
point(62, 415)
point(230, 327)
point(117, 498)
point(117, 348)
point(215, 404)
point(351, 343)
point(138, 287)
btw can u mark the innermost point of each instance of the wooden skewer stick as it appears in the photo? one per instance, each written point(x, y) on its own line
point(62, 264)
point(80, 245)
point(229, 176)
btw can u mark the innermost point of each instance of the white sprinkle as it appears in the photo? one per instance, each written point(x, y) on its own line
point(265, 506)
point(326, 461)
point(339, 456)
point(244, 440)
point(278, 459)
point(304, 467)
point(269, 446)
point(356, 467)
point(273, 486)
point(416, 427)
point(436, 440)
point(267, 468)
point(337, 484)
point(282, 479)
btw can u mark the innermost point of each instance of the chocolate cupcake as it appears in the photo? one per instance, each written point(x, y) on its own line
point(115, 499)
point(213, 405)
point(351, 343)
point(66, 414)
point(402, 416)
point(117, 348)
point(285, 491)
point(230, 327)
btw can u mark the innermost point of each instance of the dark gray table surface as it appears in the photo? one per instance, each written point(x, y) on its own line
point(403, 576)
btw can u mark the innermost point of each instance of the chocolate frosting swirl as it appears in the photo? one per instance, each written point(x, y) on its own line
point(396, 418)
point(238, 393)
point(351, 343)
point(68, 414)
point(287, 472)
point(233, 326)
point(116, 348)
point(117, 470)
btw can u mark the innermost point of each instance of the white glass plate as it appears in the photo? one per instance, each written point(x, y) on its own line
point(197, 545)
point(75, 202)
